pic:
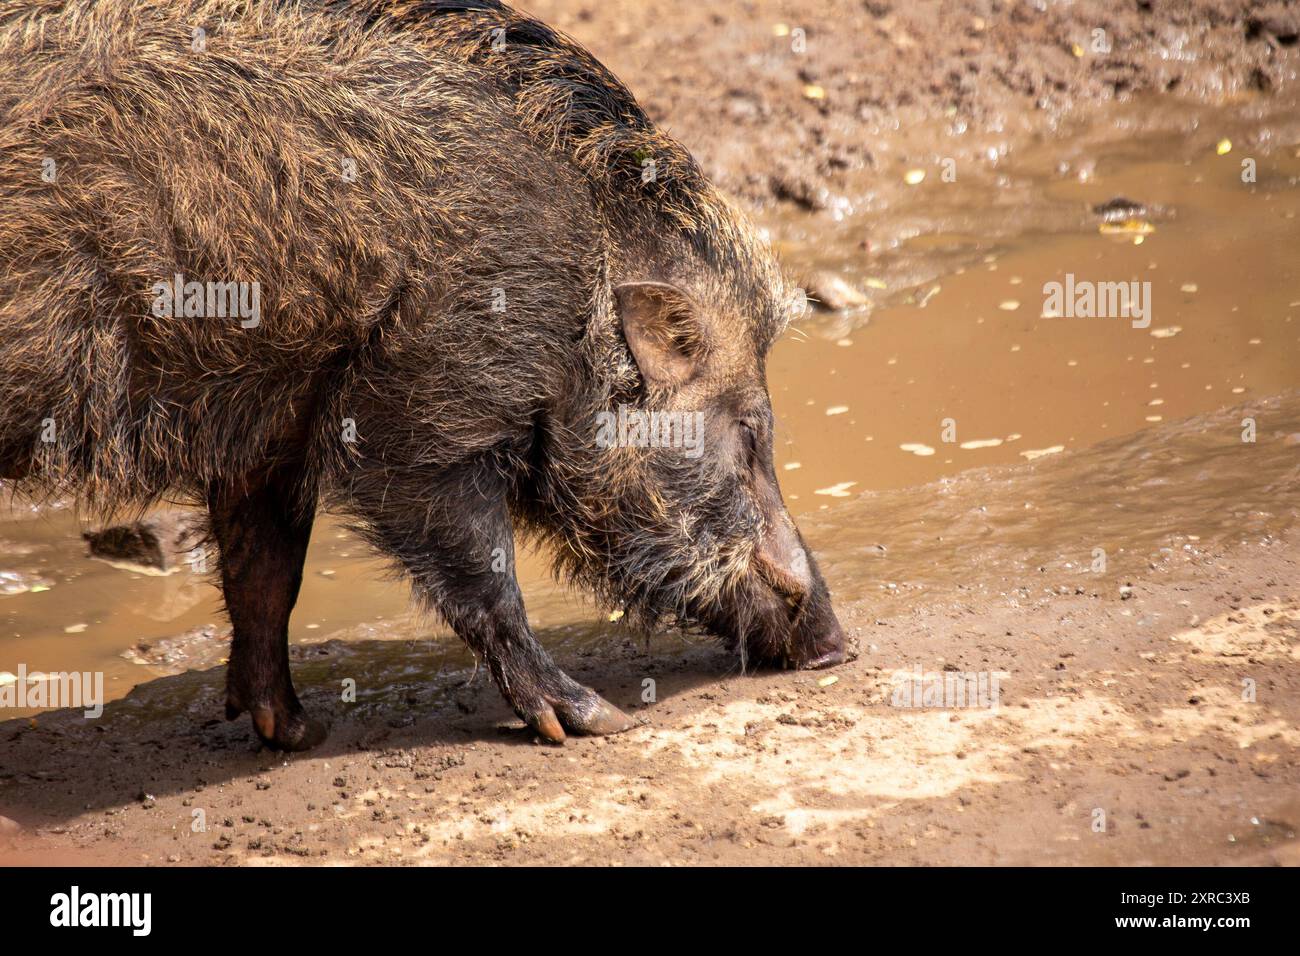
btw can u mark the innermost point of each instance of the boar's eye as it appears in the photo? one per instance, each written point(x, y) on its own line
point(749, 436)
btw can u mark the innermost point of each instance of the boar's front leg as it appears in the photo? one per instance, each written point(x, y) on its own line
point(263, 540)
point(459, 549)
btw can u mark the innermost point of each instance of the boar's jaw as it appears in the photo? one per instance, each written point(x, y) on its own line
point(819, 641)
point(775, 618)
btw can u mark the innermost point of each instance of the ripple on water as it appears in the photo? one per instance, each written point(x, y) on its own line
point(1192, 485)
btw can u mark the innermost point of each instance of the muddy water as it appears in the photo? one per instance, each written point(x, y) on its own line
point(964, 369)
point(956, 331)
point(1088, 519)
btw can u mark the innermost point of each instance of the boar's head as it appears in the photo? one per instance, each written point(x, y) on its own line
point(679, 516)
point(682, 306)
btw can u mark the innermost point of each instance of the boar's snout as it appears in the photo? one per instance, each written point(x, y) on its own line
point(800, 627)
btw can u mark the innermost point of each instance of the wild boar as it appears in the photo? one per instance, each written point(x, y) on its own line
point(404, 260)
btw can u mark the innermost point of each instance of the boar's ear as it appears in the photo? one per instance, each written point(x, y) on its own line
point(664, 330)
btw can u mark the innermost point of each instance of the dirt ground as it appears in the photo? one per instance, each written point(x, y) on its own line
point(1149, 716)
point(825, 126)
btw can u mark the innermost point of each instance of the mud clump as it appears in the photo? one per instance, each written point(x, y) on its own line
point(832, 293)
point(1121, 209)
point(1277, 22)
point(160, 542)
point(199, 647)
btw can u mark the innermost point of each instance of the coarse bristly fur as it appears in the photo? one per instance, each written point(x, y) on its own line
point(439, 202)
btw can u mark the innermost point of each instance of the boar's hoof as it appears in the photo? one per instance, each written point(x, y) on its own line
point(590, 715)
point(291, 733)
point(604, 719)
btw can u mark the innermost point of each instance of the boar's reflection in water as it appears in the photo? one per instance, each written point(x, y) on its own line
point(461, 262)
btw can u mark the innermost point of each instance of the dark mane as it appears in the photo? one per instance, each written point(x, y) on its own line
point(571, 103)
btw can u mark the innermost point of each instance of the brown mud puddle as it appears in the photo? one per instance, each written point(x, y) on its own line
point(952, 363)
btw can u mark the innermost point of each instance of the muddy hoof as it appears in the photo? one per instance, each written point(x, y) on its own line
point(590, 716)
point(547, 724)
point(598, 719)
point(294, 733)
